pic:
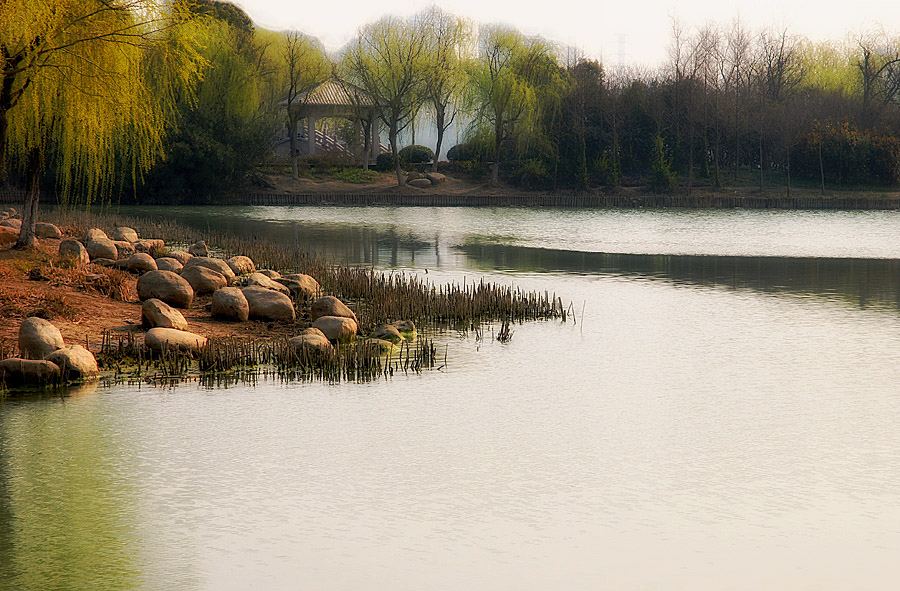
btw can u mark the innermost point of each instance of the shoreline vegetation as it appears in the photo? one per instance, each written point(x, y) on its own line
point(102, 306)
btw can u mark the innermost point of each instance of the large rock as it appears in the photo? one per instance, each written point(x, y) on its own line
point(388, 332)
point(141, 262)
point(301, 285)
point(93, 234)
point(311, 341)
point(14, 223)
point(270, 273)
point(38, 338)
point(266, 304)
point(379, 346)
point(166, 286)
point(156, 313)
point(217, 265)
point(230, 303)
point(75, 250)
point(102, 248)
point(199, 249)
point(406, 328)
point(203, 279)
point(157, 338)
point(124, 248)
point(336, 328)
point(46, 230)
point(241, 265)
point(28, 372)
point(419, 183)
point(263, 281)
point(169, 264)
point(180, 256)
point(75, 363)
point(436, 178)
point(9, 236)
point(150, 245)
point(125, 233)
point(331, 306)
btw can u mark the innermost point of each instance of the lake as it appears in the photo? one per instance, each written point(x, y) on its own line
point(724, 413)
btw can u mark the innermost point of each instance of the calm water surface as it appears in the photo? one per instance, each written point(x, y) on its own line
point(725, 415)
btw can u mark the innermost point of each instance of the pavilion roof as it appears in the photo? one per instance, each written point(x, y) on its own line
point(337, 93)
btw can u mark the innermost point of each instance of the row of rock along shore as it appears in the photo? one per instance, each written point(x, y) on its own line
point(169, 280)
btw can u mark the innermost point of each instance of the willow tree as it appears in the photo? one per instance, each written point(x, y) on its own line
point(447, 40)
point(305, 67)
point(510, 80)
point(88, 87)
point(388, 60)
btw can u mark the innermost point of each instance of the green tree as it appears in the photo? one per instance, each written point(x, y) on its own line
point(88, 86)
point(304, 68)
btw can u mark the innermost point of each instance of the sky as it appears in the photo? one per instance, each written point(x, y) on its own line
point(630, 32)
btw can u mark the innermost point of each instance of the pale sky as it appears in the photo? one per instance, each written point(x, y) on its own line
point(637, 30)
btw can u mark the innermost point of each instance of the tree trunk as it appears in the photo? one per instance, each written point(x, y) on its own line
point(787, 171)
point(392, 134)
point(760, 163)
point(292, 130)
point(821, 167)
point(495, 167)
point(32, 197)
point(367, 144)
point(440, 139)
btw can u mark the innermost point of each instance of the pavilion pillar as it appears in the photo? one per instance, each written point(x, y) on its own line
point(311, 134)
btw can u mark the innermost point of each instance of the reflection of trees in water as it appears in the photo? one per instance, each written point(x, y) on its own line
point(861, 282)
point(66, 514)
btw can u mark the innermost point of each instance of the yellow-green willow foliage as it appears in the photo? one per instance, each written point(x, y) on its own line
point(89, 88)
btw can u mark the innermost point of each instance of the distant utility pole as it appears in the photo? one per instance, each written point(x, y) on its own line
point(622, 51)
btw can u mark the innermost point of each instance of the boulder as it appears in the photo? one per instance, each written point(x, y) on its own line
point(15, 224)
point(38, 338)
point(179, 255)
point(102, 248)
point(301, 285)
point(156, 313)
point(406, 328)
point(270, 273)
point(169, 264)
point(124, 248)
point(266, 304)
point(330, 306)
point(105, 262)
point(46, 230)
point(217, 265)
point(263, 281)
point(413, 175)
point(10, 212)
point(229, 303)
point(336, 328)
point(75, 363)
point(166, 286)
point(203, 279)
point(8, 236)
point(149, 245)
point(93, 234)
point(436, 178)
point(311, 341)
point(241, 265)
point(157, 338)
point(141, 262)
point(28, 372)
point(419, 183)
point(199, 249)
point(380, 345)
point(387, 332)
point(125, 233)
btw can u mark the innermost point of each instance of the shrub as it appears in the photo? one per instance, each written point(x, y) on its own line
point(662, 179)
point(465, 152)
point(416, 154)
point(385, 162)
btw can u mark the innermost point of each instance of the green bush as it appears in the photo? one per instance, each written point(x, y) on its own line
point(416, 154)
point(354, 175)
point(465, 152)
point(385, 162)
point(662, 177)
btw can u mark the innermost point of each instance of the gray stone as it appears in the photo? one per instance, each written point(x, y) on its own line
point(141, 262)
point(28, 372)
point(93, 234)
point(199, 249)
point(150, 245)
point(13, 223)
point(38, 338)
point(203, 279)
point(217, 265)
point(105, 262)
point(8, 235)
point(169, 264)
point(156, 313)
point(157, 338)
point(125, 233)
point(301, 285)
point(311, 342)
point(75, 363)
point(436, 178)
point(124, 248)
point(241, 265)
point(336, 328)
point(263, 281)
point(419, 183)
point(73, 249)
point(179, 255)
point(270, 273)
point(330, 306)
point(166, 286)
point(380, 345)
point(46, 230)
point(266, 304)
point(102, 248)
point(388, 332)
point(230, 303)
